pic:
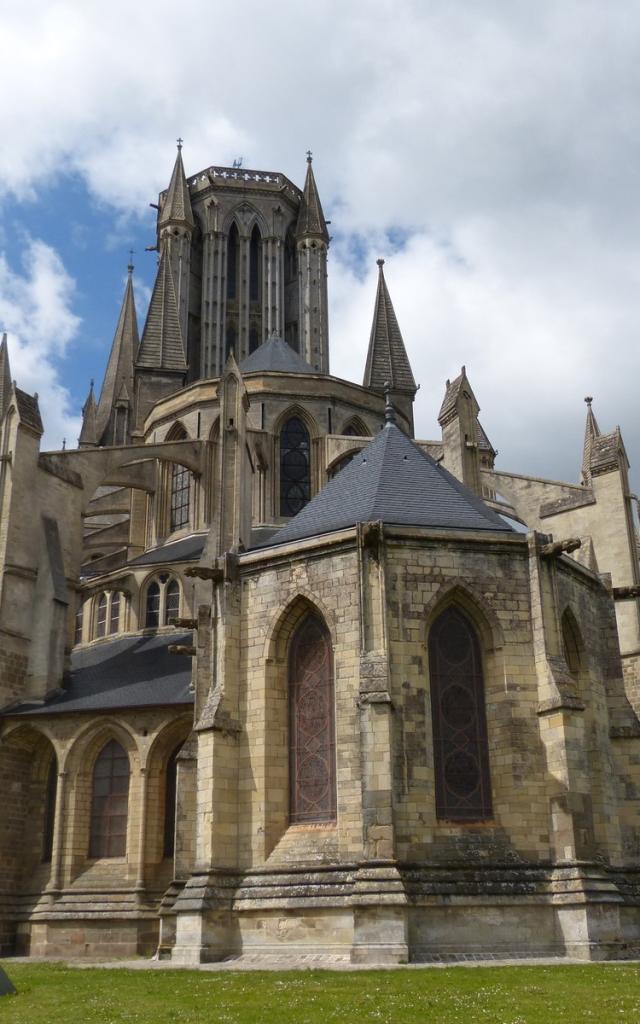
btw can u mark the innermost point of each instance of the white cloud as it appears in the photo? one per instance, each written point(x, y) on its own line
point(503, 140)
point(35, 311)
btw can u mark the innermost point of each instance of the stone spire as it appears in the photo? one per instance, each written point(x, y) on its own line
point(591, 431)
point(161, 347)
point(311, 222)
point(5, 377)
point(387, 359)
point(176, 208)
point(118, 379)
point(89, 432)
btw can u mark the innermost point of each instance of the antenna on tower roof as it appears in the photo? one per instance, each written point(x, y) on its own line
point(237, 163)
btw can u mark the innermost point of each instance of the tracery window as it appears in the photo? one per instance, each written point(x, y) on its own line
point(101, 618)
point(312, 771)
point(295, 467)
point(180, 496)
point(152, 614)
point(461, 751)
point(109, 803)
point(49, 810)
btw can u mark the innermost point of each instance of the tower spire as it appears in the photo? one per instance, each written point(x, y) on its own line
point(311, 222)
point(312, 242)
point(5, 377)
point(161, 347)
point(176, 208)
point(118, 387)
point(591, 431)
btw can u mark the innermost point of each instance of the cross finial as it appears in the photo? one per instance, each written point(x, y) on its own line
point(380, 263)
point(389, 411)
point(64, 444)
point(589, 400)
point(130, 265)
point(179, 142)
point(309, 156)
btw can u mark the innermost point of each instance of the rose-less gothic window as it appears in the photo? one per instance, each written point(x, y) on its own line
point(461, 752)
point(311, 724)
point(180, 495)
point(295, 475)
point(109, 803)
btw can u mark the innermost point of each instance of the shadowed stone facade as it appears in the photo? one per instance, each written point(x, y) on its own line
point(275, 677)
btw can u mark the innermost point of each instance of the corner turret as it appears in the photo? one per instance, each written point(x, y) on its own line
point(312, 242)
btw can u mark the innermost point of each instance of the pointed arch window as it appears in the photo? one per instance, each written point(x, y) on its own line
point(77, 638)
point(114, 612)
point(180, 496)
point(172, 601)
point(49, 810)
point(295, 467)
point(461, 749)
point(169, 838)
point(109, 802)
point(255, 246)
point(101, 618)
point(232, 262)
point(312, 768)
point(572, 644)
point(152, 611)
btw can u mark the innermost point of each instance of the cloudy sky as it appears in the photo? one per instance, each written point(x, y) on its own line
point(488, 150)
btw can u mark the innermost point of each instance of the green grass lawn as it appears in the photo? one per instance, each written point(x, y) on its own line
point(52, 993)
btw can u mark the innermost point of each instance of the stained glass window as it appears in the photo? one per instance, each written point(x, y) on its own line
point(172, 602)
point(180, 496)
point(311, 724)
point(109, 803)
point(295, 475)
point(152, 616)
point(461, 751)
point(114, 615)
point(101, 620)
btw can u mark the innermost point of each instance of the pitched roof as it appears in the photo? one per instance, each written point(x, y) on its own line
point(29, 410)
point(484, 444)
point(275, 356)
point(387, 359)
point(187, 549)
point(119, 373)
point(161, 347)
point(176, 207)
point(129, 672)
point(395, 481)
point(5, 376)
point(311, 222)
point(605, 452)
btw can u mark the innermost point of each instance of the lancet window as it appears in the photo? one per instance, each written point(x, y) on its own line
point(461, 751)
point(162, 602)
point(295, 467)
point(109, 803)
point(169, 838)
point(312, 768)
point(49, 810)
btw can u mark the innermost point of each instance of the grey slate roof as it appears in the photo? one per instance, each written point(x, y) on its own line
point(187, 549)
point(129, 672)
point(275, 356)
point(387, 359)
point(161, 347)
point(395, 481)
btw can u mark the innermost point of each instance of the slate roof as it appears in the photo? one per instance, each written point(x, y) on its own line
point(130, 672)
point(395, 481)
point(187, 549)
point(387, 359)
point(450, 397)
point(275, 356)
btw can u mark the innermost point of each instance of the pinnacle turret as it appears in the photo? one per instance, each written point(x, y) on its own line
point(5, 377)
point(88, 431)
point(311, 222)
point(387, 360)
point(119, 373)
point(591, 431)
point(176, 208)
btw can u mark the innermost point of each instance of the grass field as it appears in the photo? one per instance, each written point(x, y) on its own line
point(52, 993)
